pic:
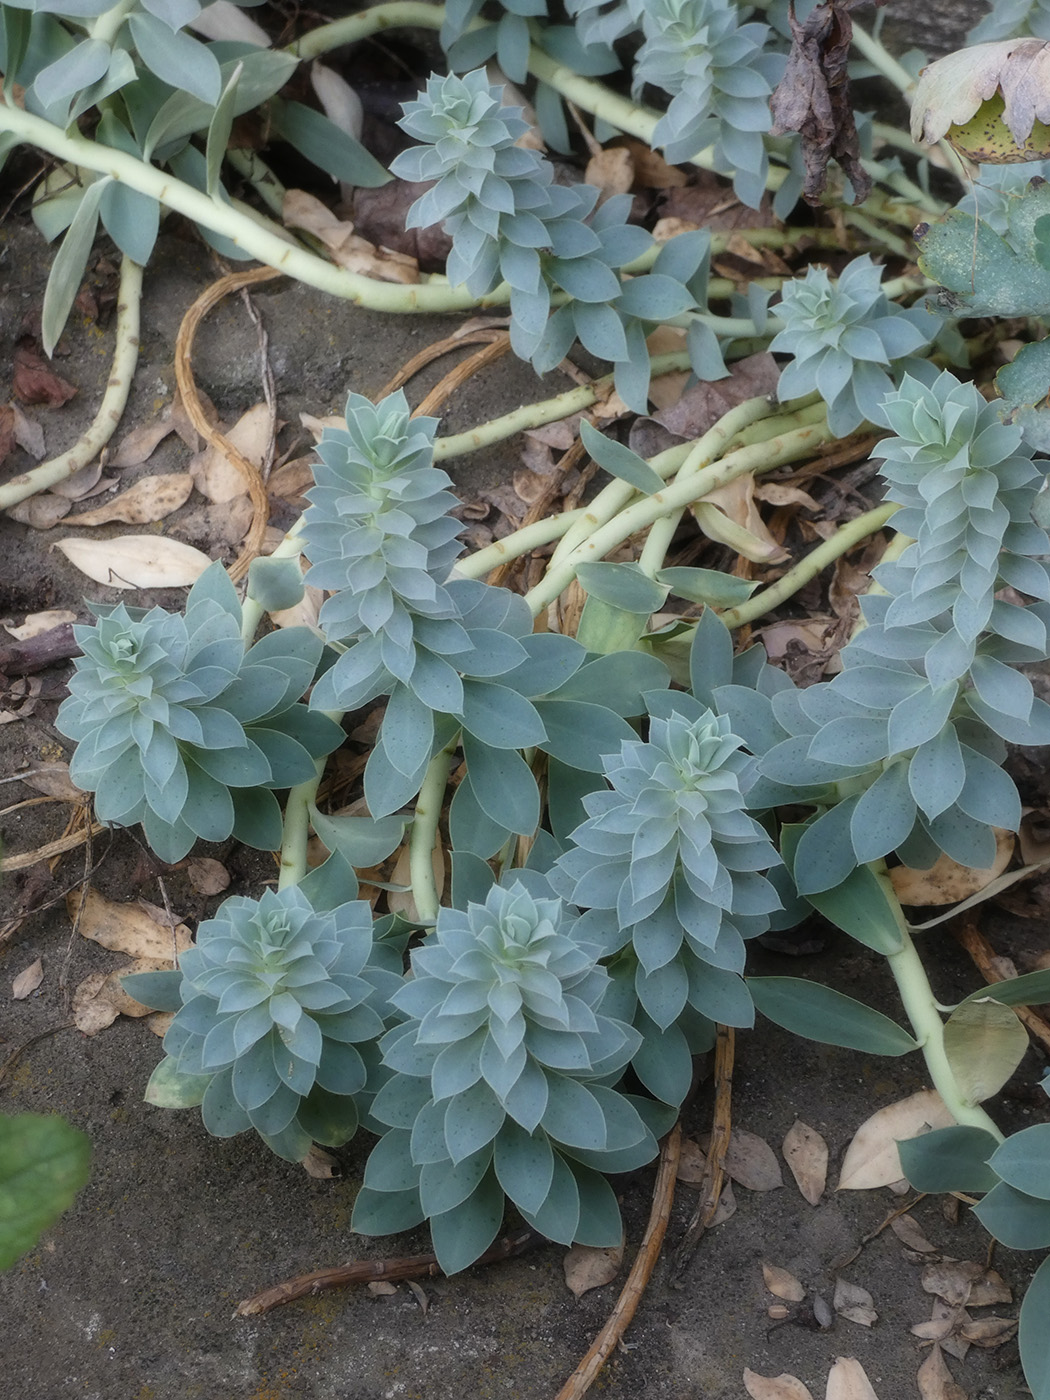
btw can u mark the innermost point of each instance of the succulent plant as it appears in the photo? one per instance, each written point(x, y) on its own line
point(1011, 19)
point(844, 337)
point(271, 1006)
point(605, 21)
point(501, 1084)
point(181, 728)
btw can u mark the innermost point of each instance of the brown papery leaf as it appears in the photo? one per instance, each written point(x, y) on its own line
point(847, 1380)
point(946, 882)
point(751, 1162)
point(34, 382)
point(320, 1164)
point(806, 1154)
point(952, 1279)
point(872, 1158)
point(990, 1288)
point(854, 1303)
point(207, 876)
point(7, 431)
point(40, 512)
point(126, 928)
point(54, 780)
point(611, 171)
point(140, 444)
point(150, 499)
point(782, 1387)
point(909, 1232)
point(214, 475)
point(136, 561)
point(381, 1289)
point(27, 980)
point(347, 248)
point(935, 1381)
point(782, 1284)
point(726, 1208)
point(28, 433)
point(292, 481)
point(588, 1267)
point(84, 483)
point(691, 1163)
point(988, 1332)
point(100, 998)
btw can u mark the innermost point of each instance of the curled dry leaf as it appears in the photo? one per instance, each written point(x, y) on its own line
point(730, 516)
point(212, 472)
point(100, 998)
point(806, 1154)
point(27, 980)
point(935, 1381)
point(962, 1282)
point(150, 499)
point(988, 1332)
point(611, 171)
point(847, 1380)
point(136, 561)
point(40, 512)
point(782, 1284)
point(381, 1289)
point(909, 1232)
point(126, 928)
point(416, 1289)
point(872, 1158)
point(347, 248)
point(28, 433)
point(782, 1387)
point(588, 1267)
point(34, 382)
point(854, 1303)
point(207, 876)
point(991, 101)
point(320, 1164)
point(946, 882)
point(39, 622)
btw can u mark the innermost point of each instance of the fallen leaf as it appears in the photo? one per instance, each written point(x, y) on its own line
point(988, 1332)
point(38, 622)
point(139, 445)
point(207, 876)
point(348, 248)
point(34, 382)
point(751, 1162)
point(292, 481)
point(700, 407)
point(417, 1292)
point(726, 1208)
point(782, 1284)
point(54, 780)
point(83, 483)
point(691, 1163)
point(7, 431)
point(40, 512)
point(847, 1380)
point(941, 1328)
point(28, 433)
point(587, 1267)
point(150, 499)
point(908, 1231)
point(159, 1022)
point(964, 1282)
point(215, 475)
point(611, 171)
point(984, 1043)
point(872, 1158)
point(935, 1381)
point(806, 1154)
point(651, 171)
point(782, 1387)
point(136, 561)
point(126, 928)
point(730, 516)
point(946, 882)
point(100, 998)
point(854, 1303)
point(988, 1288)
point(305, 613)
point(381, 1289)
point(27, 980)
point(320, 1164)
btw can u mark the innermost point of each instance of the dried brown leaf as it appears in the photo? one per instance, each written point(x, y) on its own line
point(946, 882)
point(782, 1387)
point(7, 431)
point(136, 561)
point(100, 999)
point(40, 512)
point(291, 481)
point(909, 1232)
point(139, 445)
point(726, 1208)
point(611, 170)
point(872, 1158)
point(320, 1164)
point(935, 1381)
point(952, 1280)
point(207, 876)
point(126, 928)
point(54, 780)
point(416, 1289)
point(691, 1163)
point(39, 622)
point(854, 1303)
point(651, 171)
point(347, 248)
point(151, 498)
point(990, 1288)
point(988, 1332)
point(86, 482)
point(215, 475)
point(34, 382)
point(782, 1284)
point(28, 433)
point(587, 1267)
point(751, 1162)
point(847, 1380)
point(381, 1289)
point(806, 1154)
point(27, 980)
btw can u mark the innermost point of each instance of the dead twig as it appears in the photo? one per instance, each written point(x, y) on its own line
point(605, 1343)
point(253, 481)
point(430, 353)
point(39, 652)
point(714, 1167)
point(53, 848)
point(20, 1050)
point(843, 1261)
point(986, 962)
point(372, 1270)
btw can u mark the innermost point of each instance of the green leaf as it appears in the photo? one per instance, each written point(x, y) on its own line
point(981, 273)
point(620, 461)
point(219, 132)
point(949, 1159)
point(176, 58)
point(463, 1234)
point(385, 1212)
point(984, 1042)
point(131, 219)
point(330, 884)
point(43, 1164)
point(275, 584)
point(606, 629)
point(79, 68)
point(1035, 1354)
point(159, 990)
point(168, 1087)
point(503, 785)
point(1014, 1218)
point(330, 1119)
point(865, 907)
point(819, 1013)
point(1023, 1160)
point(326, 145)
point(708, 586)
point(263, 71)
point(1033, 989)
point(623, 586)
point(363, 841)
point(67, 270)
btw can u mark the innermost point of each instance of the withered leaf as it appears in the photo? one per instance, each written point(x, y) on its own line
point(34, 382)
point(126, 928)
point(207, 876)
point(150, 499)
point(847, 1380)
point(587, 1267)
point(136, 561)
point(952, 1280)
point(806, 1154)
point(7, 431)
point(909, 1232)
point(750, 1161)
point(782, 1387)
point(782, 1284)
point(27, 980)
point(935, 1381)
point(988, 1332)
point(872, 1158)
point(854, 1303)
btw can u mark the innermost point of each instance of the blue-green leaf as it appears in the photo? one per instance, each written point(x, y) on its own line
point(1035, 1354)
point(43, 1164)
point(949, 1159)
point(1023, 1161)
point(820, 1013)
point(326, 145)
point(620, 461)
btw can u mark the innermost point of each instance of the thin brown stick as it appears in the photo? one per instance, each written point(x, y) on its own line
point(985, 960)
point(430, 353)
point(37, 653)
point(605, 1343)
point(372, 1270)
point(53, 848)
point(20, 1050)
point(714, 1167)
point(253, 481)
point(445, 387)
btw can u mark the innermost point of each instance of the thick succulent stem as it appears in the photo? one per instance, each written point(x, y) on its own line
point(297, 829)
point(110, 410)
point(425, 893)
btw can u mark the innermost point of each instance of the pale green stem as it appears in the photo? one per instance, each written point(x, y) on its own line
point(814, 563)
point(883, 61)
point(760, 458)
point(431, 798)
point(297, 829)
point(522, 541)
point(259, 175)
point(110, 410)
point(921, 1007)
point(106, 26)
point(881, 235)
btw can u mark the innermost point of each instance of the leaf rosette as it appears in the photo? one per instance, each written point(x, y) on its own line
point(277, 1009)
point(501, 1084)
point(181, 728)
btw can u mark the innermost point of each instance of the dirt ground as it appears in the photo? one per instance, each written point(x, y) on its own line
point(132, 1295)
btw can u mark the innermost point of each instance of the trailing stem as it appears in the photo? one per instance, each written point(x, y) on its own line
point(425, 893)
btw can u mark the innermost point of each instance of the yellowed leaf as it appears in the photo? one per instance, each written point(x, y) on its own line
point(150, 499)
point(984, 1042)
point(847, 1380)
point(207, 876)
point(215, 475)
point(27, 980)
point(935, 1381)
point(730, 516)
point(588, 1267)
point(127, 928)
point(38, 622)
point(782, 1387)
point(872, 1158)
point(782, 1284)
point(806, 1154)
point(946, 882)
point(136, 561)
